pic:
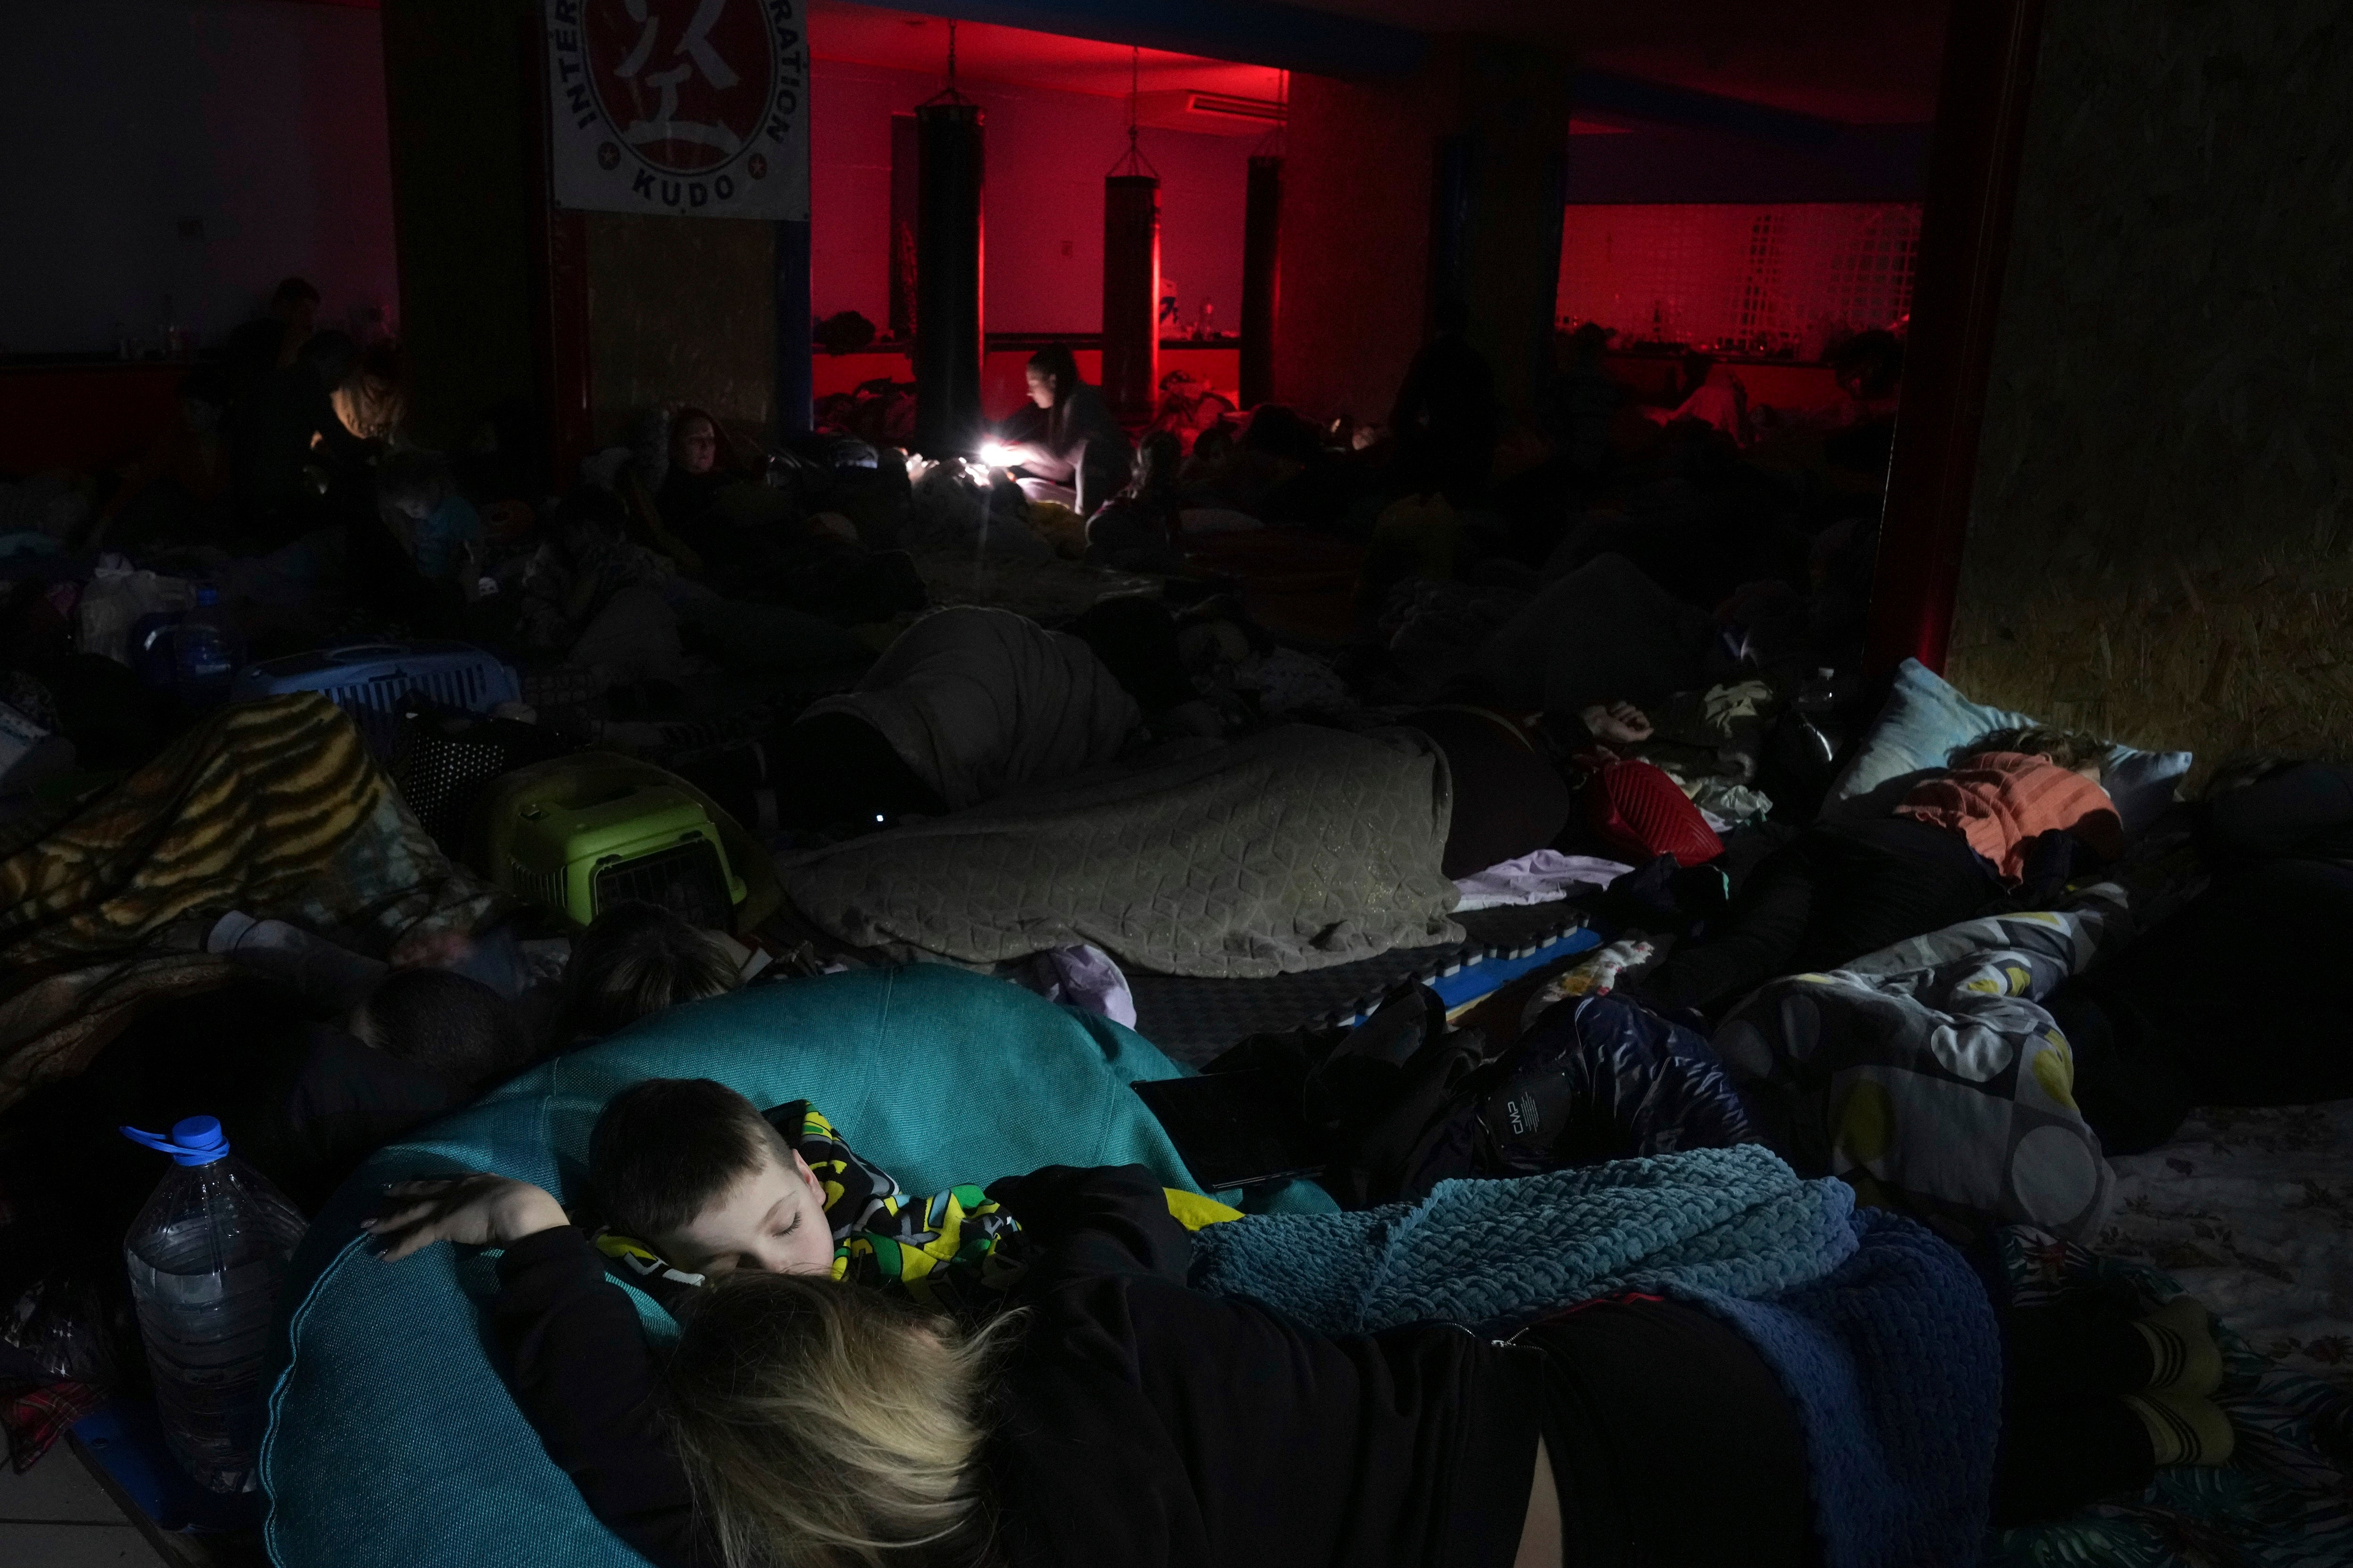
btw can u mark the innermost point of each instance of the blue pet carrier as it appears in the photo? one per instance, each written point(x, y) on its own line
point(372, 681)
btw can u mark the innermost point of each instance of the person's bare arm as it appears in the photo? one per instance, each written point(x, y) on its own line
point(1540, 1543)
point(1616, 723)
point(472, 1211)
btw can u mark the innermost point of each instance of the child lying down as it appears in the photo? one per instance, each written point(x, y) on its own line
point(693, 1182)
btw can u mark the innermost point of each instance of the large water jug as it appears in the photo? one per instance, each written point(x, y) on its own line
point(151, 657)
point(206, 652)
point(207, 1256)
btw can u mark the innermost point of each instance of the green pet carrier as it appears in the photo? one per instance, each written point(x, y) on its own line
point(577, 836)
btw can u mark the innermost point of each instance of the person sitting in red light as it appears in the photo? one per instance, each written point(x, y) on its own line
point(1064, 446)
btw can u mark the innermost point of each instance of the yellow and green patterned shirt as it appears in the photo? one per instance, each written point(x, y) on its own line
point(945, 1251)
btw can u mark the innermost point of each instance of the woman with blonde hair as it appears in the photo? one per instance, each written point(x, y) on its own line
point(1117, 1416)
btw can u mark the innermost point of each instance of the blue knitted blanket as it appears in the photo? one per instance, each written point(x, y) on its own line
point(1879, 1332)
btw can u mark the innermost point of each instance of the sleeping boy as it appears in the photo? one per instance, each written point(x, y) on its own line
point(692, 1181)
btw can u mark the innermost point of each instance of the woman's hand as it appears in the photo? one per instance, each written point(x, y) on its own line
point(472, 1211)
point(1618, 723)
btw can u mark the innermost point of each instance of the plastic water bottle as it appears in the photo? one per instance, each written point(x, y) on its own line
point(207, 1256)
point(206, 652)
point(153, 656)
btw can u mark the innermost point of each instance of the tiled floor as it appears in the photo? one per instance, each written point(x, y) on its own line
point(56, 1515)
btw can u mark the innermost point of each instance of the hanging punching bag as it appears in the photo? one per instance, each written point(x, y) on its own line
point(1131, 299)
point(948, 245)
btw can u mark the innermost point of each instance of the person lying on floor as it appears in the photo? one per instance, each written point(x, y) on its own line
point(972, 704)
point(305, 1097)
point(592, 596)
point(2239, 997)
point(693, 1182)
point(637, 958)
point(2007, 820)
point(1122, 1417)
point(967, 705)
point(690, 1182)
point(703, 496)
point(1141, 528)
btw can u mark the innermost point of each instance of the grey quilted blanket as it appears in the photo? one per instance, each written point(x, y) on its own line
point(1292, 849)
point(1930, 1075)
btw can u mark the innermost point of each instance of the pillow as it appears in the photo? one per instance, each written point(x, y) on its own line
point(394, 1444)
point(1926, 720)
point(1639, 811)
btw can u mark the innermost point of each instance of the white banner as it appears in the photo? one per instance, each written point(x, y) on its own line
point(693, 108)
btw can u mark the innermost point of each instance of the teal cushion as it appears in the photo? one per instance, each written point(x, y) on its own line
point(394, 1444)
point(1926, 719)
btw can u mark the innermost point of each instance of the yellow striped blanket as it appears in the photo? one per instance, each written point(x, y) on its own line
point(273, 807)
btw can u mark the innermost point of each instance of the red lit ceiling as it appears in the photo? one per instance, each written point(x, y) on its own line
point(1867, 62)
point(902, 40)
point(1863, 61)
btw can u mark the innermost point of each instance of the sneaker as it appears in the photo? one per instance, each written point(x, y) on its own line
point(2182, 1347)
point(2184, 1430)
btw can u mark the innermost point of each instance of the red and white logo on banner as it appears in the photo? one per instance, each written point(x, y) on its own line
point(691, 106)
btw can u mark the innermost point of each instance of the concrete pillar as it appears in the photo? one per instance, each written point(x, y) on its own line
point(462, 96)
point(1403, 192)
point(584, 318)
point(795, 399)
point(1261, 274)
point(1131, 294)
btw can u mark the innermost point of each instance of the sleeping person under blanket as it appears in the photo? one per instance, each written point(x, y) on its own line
point(1125, 1417)
point(973, 704)
point(2007, 822)
point(2239, 997)
point(967, 705)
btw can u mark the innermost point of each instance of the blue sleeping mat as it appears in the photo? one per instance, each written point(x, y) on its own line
point(394, 1444)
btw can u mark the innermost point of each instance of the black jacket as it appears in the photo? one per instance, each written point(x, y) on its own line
point(1139, 1422)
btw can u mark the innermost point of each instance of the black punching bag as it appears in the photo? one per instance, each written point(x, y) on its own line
point(1262, 276)
point(1131, 299)
point(947, 278)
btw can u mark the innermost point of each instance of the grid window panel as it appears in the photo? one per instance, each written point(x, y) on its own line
point(1762, 277)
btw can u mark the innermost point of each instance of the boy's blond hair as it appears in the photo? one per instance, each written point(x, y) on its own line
point(636, 960)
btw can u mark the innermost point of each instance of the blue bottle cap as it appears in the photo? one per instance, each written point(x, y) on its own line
point(195, 1140)
point(207, 594)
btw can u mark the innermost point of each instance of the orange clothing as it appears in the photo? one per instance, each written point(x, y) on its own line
point(2003, 801)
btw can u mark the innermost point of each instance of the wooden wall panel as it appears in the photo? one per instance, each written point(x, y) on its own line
point(2160, 545)
point(680, 311)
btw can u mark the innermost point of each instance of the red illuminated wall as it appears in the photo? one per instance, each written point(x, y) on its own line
point(195, 149)
point(1787, 276)
point(1048, 153)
